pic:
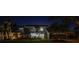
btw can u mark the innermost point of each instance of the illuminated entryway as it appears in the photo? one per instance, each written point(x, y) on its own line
point(38, 35)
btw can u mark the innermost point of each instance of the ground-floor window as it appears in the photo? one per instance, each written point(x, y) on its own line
point(38, 35)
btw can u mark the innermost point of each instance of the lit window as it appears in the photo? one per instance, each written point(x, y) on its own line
point(37, 35)
point(41, 36)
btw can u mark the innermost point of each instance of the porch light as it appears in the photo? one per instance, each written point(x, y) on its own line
point(41, 29)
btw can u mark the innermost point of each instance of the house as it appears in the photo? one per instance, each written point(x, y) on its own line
point(37, 31)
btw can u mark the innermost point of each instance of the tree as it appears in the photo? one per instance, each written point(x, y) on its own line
point(65, 25)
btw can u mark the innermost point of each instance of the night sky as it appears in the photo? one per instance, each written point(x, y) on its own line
point(33, 20)
point(37, 20)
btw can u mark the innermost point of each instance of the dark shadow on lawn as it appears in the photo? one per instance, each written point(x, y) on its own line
point(29, 41)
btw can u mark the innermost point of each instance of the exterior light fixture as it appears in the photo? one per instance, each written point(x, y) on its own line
point(41, 29)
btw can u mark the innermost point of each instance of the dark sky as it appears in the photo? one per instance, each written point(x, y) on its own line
point(34, 20)
point(37, 20)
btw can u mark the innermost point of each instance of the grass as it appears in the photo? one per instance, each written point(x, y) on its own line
point(32, 41)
